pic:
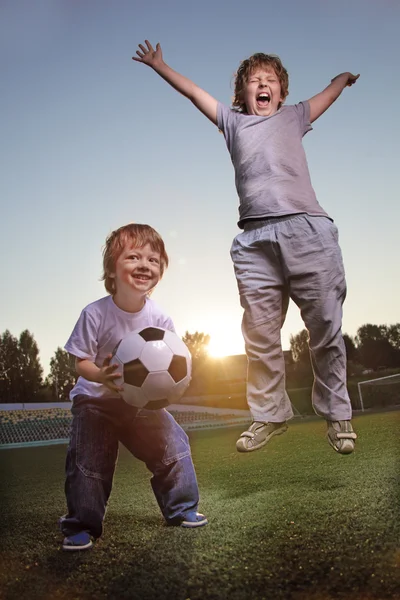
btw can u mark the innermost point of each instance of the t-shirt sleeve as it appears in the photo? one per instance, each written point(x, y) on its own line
point(167, 323)
point(226, 121)
point(302, 110)
point(82, 342)
point(157, 316)
point(222, 116)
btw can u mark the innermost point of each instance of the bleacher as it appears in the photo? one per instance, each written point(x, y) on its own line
point(194, 418)
point(35, 426)
point(24, 426)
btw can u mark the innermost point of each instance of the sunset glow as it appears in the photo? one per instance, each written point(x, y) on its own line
point(225, 343)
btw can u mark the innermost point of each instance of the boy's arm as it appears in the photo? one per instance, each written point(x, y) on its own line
point(322, 101)
point(105, 375)
point(201, 99)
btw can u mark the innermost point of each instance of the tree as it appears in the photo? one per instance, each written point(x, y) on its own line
point(377, 345)
point(197, 344)
point(299, 347)
point(370, 332)
point(62, 375)
point(9, 368)
point(302, 373)
point(20, 369)
point(376, 353)
point(351, 350)
point(393, 335)
point(30, 369)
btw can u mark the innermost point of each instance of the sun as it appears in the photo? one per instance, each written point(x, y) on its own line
point(225, 343)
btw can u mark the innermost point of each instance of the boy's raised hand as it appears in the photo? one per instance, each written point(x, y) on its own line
point(200, 98)
point(351, 79)
point(148, 55)
point(320, 102)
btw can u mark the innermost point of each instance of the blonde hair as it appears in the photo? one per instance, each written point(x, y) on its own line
point(138, 235)
point(248, 66)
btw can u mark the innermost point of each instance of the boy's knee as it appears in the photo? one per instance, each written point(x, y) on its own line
point(177, 447)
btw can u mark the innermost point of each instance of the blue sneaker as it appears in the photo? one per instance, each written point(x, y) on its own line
point(77, 541)
point(194, 520)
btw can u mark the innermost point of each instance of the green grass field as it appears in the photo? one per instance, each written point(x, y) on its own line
point(292, 521)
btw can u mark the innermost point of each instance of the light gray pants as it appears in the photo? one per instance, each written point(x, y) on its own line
point(294, 257)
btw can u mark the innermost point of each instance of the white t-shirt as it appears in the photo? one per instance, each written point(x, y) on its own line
point(98, 330)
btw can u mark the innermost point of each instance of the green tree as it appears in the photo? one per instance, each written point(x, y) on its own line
point(301, 374)
point(299, 347)
point(30, 369)
point(351, 350)
point(9, 368)
point(197, 343)
point(369, 332)
point(62, 376)
point(377, 345)
point(393, 335)
point(20, 369)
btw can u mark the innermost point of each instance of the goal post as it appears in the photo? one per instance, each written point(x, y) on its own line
point(381, 391)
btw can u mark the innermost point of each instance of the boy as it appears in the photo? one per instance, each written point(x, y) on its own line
point(134, 260)
point(288, 247)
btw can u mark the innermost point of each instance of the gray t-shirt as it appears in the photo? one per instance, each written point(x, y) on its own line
point(271, 172)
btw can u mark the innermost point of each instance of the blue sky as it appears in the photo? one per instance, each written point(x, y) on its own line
point(91, 140)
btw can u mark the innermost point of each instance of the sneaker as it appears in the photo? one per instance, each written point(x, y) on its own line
point(194, 520)
point(341, 436)
point(258, 434)
point(78, 541)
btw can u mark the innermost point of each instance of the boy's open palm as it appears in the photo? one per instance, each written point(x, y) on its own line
point(148, 55)
point(200, 98)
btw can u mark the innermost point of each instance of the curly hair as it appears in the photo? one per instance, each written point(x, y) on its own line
point(138, 235)
point(246, 68)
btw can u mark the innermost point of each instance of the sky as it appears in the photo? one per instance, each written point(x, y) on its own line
point(91, 140)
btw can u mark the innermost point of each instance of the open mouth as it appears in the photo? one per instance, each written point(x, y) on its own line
point(263, 99)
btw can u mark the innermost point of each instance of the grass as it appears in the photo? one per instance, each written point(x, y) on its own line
point(294, 521)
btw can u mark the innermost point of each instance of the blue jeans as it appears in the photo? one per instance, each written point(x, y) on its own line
point(295, 257)
point(151, 436)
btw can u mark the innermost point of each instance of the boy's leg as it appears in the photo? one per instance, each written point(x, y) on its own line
point(90, 466)
point(318, 286)
point(156, 438)
point(264, 298)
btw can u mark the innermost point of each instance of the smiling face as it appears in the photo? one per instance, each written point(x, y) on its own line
point(137, 271)
point(262, 93)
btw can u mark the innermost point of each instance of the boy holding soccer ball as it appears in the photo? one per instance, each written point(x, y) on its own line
point(134, 261)
point(288, 247)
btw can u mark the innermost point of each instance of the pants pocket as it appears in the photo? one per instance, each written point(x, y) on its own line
point(96, 445)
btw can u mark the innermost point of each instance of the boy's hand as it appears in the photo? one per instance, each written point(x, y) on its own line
point(148, 55)
point(351, 79)
point(200, 98)
point(107, 374)
point(323, 100)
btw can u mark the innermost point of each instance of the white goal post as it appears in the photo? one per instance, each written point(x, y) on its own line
point(379, 381)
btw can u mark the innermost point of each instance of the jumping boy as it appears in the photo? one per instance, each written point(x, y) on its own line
point(134, 261)
point(289, 246)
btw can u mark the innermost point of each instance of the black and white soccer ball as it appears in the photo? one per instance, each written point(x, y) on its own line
point(156, 367)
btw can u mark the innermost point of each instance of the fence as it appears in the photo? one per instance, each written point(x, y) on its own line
point(39, 424)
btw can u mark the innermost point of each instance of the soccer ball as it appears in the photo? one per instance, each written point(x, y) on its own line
point(156, 367)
